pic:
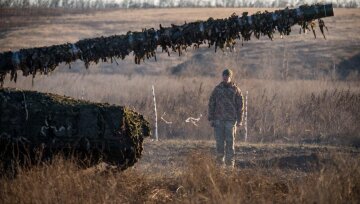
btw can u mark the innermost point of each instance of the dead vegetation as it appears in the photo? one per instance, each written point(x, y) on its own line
point(200, 181)
point(298, 111)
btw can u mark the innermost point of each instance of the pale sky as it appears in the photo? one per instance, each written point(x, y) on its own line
point(213, 2)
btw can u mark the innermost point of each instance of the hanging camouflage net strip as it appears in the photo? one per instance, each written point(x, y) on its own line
point(220, 33)
point(35, 126)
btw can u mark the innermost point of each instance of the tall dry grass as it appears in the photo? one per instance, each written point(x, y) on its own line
point(317, 111)
point(202, 181)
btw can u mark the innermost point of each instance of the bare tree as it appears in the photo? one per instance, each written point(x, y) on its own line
point(17, 3)
point(163, 3)
point(69, 3)
point(25, 3)
point(113, 4)
point(65, 3)
point(55, 3)
point(42, 3)
point(5, 3)
point(98, 4)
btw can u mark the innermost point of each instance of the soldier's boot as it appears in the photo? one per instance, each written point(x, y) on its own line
point(220, 160)
point(230, 164)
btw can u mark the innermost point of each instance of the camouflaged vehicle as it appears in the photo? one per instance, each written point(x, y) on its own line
point(33, 124)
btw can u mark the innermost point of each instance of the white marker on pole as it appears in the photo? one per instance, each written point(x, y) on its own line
point(156, 119)
point(246, 111)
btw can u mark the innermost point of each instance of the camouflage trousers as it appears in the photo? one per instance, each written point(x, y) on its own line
point(225, 137)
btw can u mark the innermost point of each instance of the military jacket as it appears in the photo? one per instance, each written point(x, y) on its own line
point(226, 103)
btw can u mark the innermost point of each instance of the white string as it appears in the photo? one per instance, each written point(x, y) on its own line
point(166, 122)
point(192, 120)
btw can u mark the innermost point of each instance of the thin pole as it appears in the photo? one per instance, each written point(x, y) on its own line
point(246, 115)
point(156, 117)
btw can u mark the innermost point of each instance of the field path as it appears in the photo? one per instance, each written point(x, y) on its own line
point(170, 157)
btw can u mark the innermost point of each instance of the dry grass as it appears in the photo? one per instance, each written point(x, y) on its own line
point(200, 181)
point(318, 111)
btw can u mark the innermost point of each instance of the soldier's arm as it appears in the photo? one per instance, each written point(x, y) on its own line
point(239, 106)
point(212, 105)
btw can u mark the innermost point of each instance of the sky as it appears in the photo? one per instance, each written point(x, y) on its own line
point(267, 3)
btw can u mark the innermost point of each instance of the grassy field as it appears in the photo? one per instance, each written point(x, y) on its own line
point(301, 90)
point(185, 172)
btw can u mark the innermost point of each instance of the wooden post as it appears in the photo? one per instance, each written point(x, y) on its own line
point(156, 116)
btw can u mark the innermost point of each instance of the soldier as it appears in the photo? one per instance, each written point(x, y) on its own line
point(225, 114)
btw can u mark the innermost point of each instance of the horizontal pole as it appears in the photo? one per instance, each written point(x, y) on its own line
point(220, 33)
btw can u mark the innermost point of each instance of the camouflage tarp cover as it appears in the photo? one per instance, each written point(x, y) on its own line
point(33, 122)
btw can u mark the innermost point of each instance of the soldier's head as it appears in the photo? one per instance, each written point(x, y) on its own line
point(227, 74)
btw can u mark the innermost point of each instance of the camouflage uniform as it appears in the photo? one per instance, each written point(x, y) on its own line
point(225, 111)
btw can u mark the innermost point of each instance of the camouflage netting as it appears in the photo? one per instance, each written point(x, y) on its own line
point(36, 126)
point(220, 33)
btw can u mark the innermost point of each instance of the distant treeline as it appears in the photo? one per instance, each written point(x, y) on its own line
point(103, 4)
